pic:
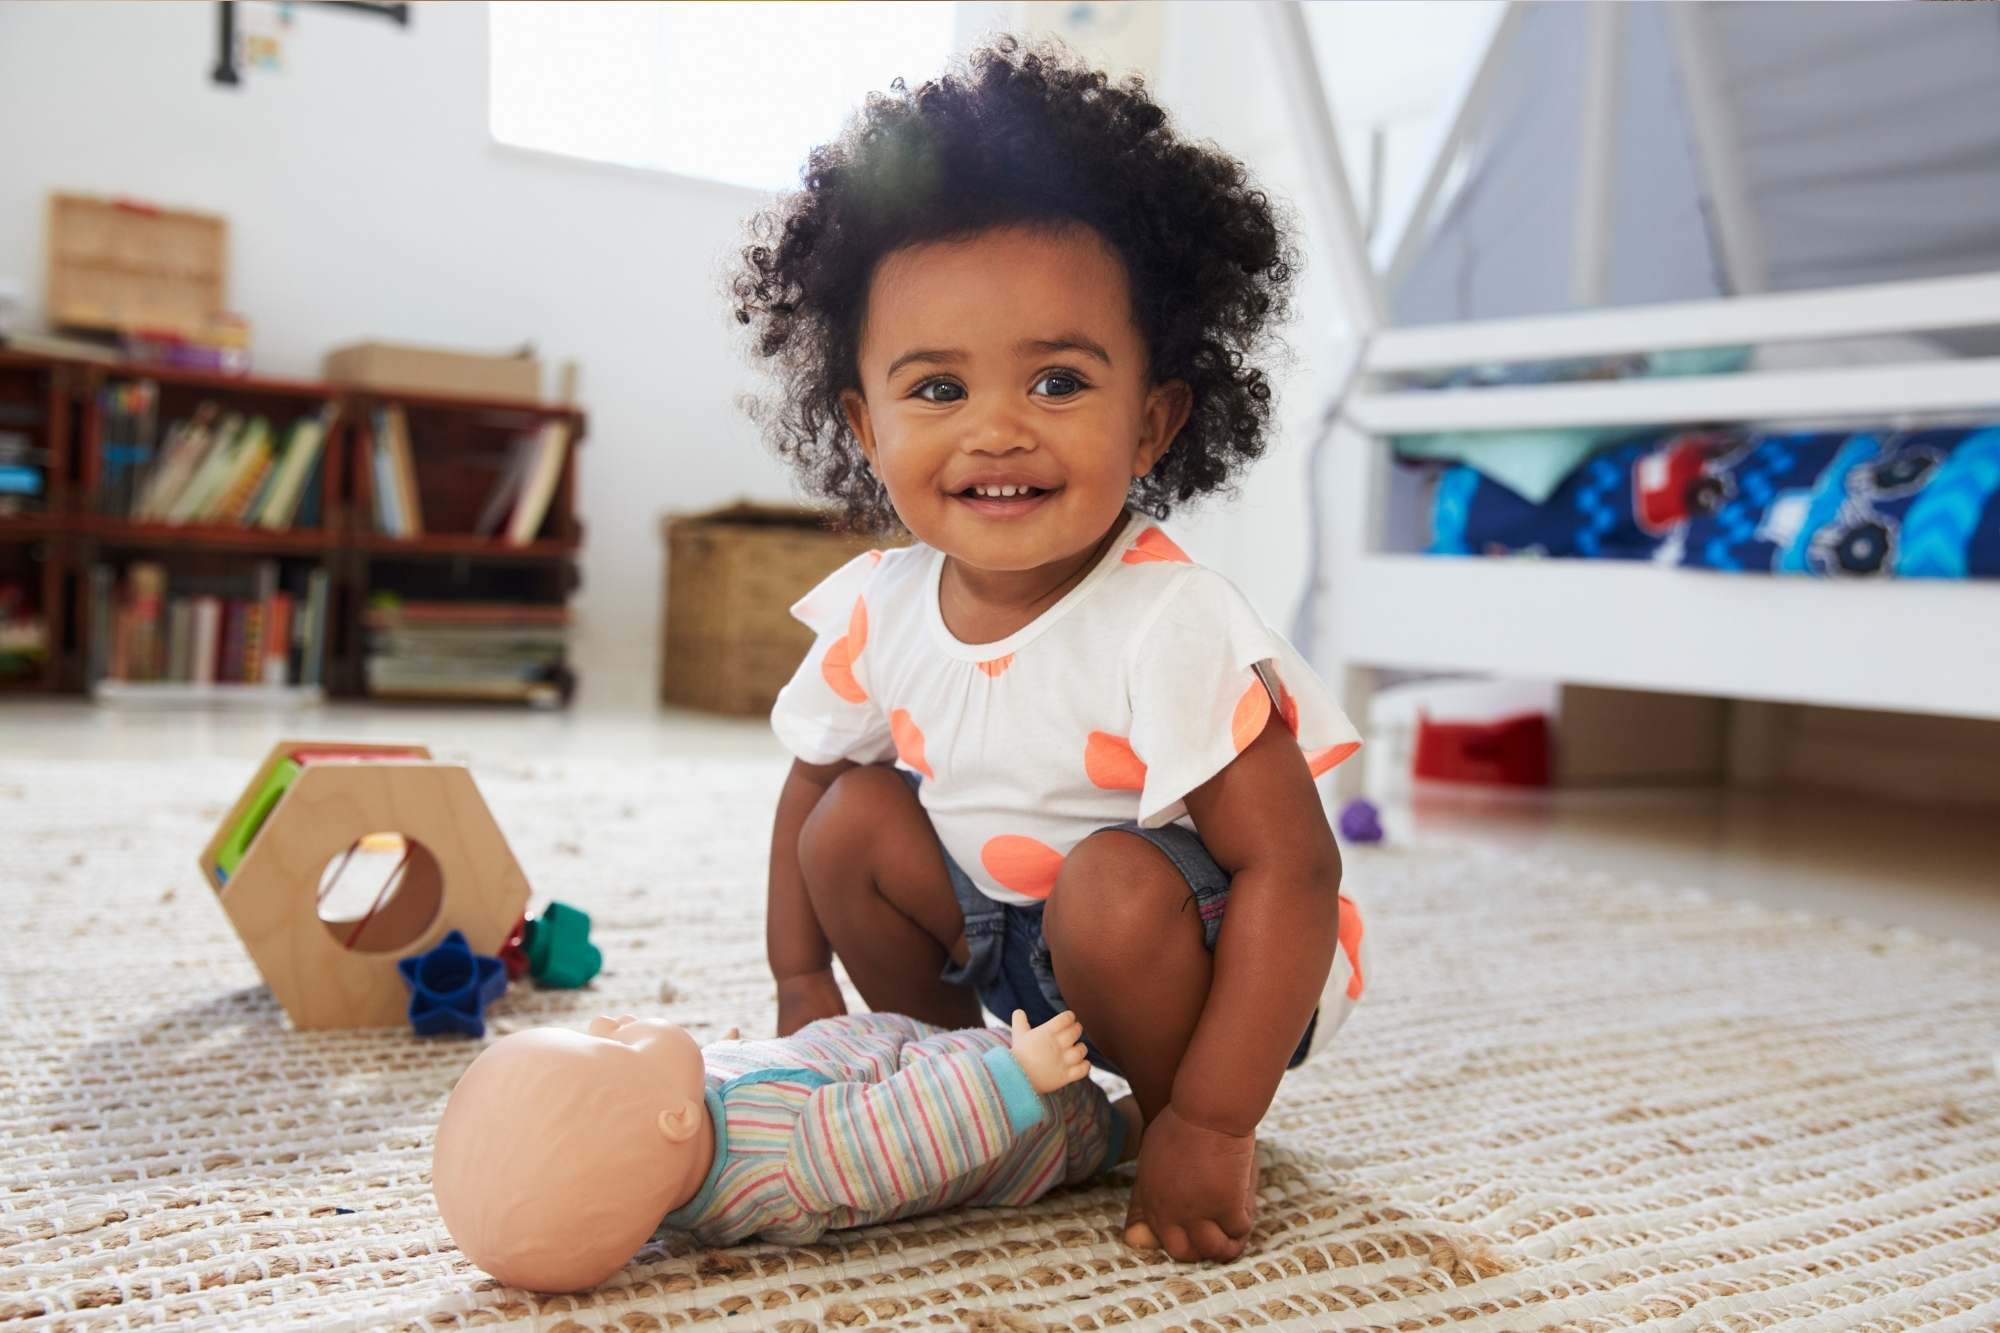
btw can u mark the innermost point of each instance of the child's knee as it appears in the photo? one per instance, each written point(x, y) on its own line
point(1119, 902)
point(837, 830)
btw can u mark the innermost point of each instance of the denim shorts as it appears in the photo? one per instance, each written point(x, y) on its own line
point(1008, 960)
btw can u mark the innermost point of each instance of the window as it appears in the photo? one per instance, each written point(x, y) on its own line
point(734, 92)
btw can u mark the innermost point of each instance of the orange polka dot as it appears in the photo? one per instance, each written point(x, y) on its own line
point(1288, 709)
point(1252, 710)
point(837, 667)
point(1021, 864)
point(997, 665)
point(1110, 763)
point(1319, 761)
point(1153, 544)
point(857, 625)
point(874, 557)
point(909, 740)
point(1350, 944)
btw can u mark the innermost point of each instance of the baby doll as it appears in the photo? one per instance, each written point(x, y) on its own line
point(560, 1152)
point(1043, 758)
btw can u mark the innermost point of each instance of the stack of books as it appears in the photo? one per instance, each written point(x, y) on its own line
point(224, 468)
point(467, 650)
point(255, 628)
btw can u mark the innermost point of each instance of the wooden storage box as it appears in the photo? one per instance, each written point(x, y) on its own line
point(125, 266)
point(732, 576)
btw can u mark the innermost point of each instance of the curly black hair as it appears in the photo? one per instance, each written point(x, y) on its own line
point(1022, 134)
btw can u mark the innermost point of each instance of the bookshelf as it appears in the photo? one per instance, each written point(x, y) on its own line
point(36, 427)
point(436, 589)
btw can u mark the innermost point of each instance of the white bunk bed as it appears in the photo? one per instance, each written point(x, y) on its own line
point(1374, 603)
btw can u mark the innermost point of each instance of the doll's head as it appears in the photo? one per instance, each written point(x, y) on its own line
point(559, 1152)
point(997, 213)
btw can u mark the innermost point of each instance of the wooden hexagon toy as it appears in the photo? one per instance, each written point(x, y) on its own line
point(310, 805)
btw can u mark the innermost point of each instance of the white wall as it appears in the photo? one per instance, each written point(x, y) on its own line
point(367, 199)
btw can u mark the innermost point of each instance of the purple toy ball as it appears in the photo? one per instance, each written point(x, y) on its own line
point(1360, 821)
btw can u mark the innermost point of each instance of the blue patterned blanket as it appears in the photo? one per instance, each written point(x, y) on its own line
point(1914, 504)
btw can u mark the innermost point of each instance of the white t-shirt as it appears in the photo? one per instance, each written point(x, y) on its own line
point(1138, 686)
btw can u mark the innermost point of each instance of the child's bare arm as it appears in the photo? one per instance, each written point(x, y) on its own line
point(1262, 820)
point(800, 956)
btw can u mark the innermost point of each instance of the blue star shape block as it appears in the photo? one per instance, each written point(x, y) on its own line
point(450, 987)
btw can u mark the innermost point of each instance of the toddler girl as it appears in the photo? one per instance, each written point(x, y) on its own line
point(1043, 759)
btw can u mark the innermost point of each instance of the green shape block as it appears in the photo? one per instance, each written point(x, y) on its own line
point(560, 954)
point(238, 843)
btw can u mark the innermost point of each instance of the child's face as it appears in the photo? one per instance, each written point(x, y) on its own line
point(981, 400)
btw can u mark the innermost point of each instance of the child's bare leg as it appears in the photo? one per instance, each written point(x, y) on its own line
point(1127, 944)
point(876, 877)
point(1126, 941)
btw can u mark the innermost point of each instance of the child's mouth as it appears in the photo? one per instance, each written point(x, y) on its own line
point(1004, 506)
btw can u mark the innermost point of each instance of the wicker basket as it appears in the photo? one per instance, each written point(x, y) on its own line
point(732, 576)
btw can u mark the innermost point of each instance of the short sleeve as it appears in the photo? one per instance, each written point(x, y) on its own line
point(827, 711)
point(1203, 679)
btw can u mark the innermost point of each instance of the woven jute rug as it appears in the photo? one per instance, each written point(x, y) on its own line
point(1567, 1101)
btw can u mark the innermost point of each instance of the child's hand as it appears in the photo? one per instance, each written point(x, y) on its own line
point(1196, 1196)
point(1051, 1055)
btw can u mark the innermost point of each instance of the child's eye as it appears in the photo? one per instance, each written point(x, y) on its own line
point(1076, 382)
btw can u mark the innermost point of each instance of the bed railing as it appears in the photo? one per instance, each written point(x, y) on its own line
point(1888, 390)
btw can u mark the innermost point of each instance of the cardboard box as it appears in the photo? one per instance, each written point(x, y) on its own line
point(377, 365)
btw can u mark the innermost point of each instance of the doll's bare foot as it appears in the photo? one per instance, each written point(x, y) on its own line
point(807, 999)
point(1126, 1108)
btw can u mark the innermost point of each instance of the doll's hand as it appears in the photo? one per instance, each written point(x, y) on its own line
point(1051, 1055)
point(1196, 1196)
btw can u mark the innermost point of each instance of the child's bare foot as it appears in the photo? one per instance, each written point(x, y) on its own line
point(1196, 1196)
point(807, 999)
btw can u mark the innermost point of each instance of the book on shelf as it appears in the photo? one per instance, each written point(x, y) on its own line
point(127, 412)
point(520, 458)
point(252, 462)
point(263, 627)
point(228, 468)
point(392, 469)
point(24, 463)
point(538, 488)
point(300, 468)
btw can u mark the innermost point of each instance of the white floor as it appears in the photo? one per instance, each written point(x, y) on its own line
point(1934, 870)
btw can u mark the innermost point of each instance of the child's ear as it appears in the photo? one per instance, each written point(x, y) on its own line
point(1167, 409)
point(679, 1124)
point(855, 408)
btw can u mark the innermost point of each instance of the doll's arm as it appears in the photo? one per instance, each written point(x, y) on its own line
point(877, 1146)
